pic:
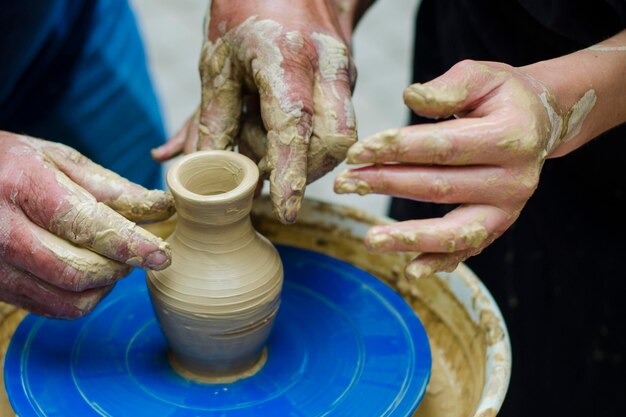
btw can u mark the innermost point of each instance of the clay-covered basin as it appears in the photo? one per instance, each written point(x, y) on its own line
point(469, 341)
point(470, 347)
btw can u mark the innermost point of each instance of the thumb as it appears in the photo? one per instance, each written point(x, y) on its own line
point(130, 200)
point(456, 91)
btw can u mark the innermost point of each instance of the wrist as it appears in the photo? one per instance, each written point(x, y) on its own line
point(587, 90)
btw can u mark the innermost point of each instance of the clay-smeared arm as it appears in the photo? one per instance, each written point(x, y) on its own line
point(489, 158)
point(66, 233)
point(287, 61)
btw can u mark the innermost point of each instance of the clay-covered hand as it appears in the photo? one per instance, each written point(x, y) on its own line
point(487, 159)
point(66, 227)
point(288, 60)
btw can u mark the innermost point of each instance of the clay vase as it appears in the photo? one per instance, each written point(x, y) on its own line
point(217, 301)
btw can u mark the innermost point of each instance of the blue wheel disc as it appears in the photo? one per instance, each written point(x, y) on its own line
point(344, 344)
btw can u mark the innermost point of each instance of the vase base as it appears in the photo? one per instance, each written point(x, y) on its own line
point(217, 378)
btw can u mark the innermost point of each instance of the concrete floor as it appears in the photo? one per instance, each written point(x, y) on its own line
point(382, 49)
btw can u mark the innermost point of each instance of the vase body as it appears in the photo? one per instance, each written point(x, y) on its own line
point(217, 301)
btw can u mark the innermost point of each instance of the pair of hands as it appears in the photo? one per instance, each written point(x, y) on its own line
point(67, 230)
point(277, 82)
point(292, 65)
point(66, 224)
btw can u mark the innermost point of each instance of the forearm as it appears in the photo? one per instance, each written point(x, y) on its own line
point(588, 91)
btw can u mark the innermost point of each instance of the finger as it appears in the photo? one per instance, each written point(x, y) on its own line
point(131, 200)
point(26, 291)
point(334, 128)
point(51, 200)
point(453, 142)
point(454, 92)
point(450, 185)
point(252, 142)
point(187, 136)
point(287, 115)
point(55, 261)
point(221, 105)
point(334, 123)
point(428, 264)
point(466, 227)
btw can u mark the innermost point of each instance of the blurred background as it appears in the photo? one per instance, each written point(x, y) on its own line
point(382, 50)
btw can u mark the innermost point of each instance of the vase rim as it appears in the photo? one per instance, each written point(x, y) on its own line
point(247, 184)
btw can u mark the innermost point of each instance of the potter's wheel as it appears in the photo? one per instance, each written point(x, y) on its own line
point(343, 344)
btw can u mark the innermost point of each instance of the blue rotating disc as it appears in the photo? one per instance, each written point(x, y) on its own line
point(344, 344)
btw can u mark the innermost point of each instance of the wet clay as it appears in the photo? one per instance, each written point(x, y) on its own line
point(217, 302)
point(10, 318)
point(458, 345)
point(470, 351)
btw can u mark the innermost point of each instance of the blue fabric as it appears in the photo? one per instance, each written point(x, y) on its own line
point(74, 71)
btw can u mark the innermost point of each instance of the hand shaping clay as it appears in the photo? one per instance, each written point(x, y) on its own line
point(217, 301)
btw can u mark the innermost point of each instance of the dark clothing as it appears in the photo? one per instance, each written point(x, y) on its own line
point(558, 274)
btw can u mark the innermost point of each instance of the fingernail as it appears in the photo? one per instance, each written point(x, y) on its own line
point(416, 270)
point(158, 260)
point(348, 183)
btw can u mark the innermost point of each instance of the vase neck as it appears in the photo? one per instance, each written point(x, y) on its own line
point(215, 238)
point(211, 214)
point(213, 187)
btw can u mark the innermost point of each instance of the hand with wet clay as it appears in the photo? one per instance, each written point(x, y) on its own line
point(66, 227)
point(276, 81)
point(487, 159)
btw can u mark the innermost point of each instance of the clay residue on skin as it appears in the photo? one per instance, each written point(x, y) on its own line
point(578, 113)
point(286, 156)
point(407, 237)
point(222, 94)
point(334, 132)
point(150, 206)
point(79, 218)
point(346, 182)
point(130, 200)
point(98, 269)
point(565, 127)
point(377, 146)
point(474, 235)
point(600, 48)
point(418, 270)
point(333, 56)
point(302, 144)
point(348, 110)
point(295, 39)
point(516, 142)
point(97, 227)
point(441, 101)
point(378, 240)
